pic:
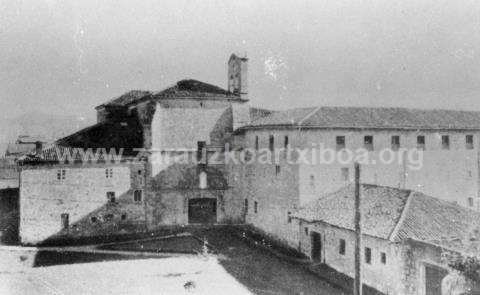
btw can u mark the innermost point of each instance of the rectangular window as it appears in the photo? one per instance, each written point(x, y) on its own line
point(383, 257)
point(469, 142)
point(421, 142)
point(61, 174)
point(289, 217)
point(277, 169)
point(65, 220)
point(285, 143)
point(344, 174)
point(470, 202)
point(312, 182)
point(256, 143)
point(306, 231)
point(201, 150)
point(111, 197)
point(255, 207)
point(271, 143)
point(246, 206)
point(368, 142)
point(137, 196)
point(395, 142)
point(109, 173)
point(445, 142)
point(342, 246)
point(340, 140)
point(368, 255)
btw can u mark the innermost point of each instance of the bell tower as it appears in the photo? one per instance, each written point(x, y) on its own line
point(237, 76)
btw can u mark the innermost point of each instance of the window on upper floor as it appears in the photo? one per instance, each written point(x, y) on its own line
point(368, 255)
point(289, 217)
point(341, 247)
point(306, 231)
point(255, 207)
point(61, 173)
point(202, 180)
point(383, 257)
point(271, 143)
point(445, 142)
point(469, 142)
point(256, 143)
point(344, 171)
point(285, 142)
point(340, 142)
point(421, 142)
point(109, 173)
point(395, 142)
point(137, 196)
point(368, 142)
point(245, 206)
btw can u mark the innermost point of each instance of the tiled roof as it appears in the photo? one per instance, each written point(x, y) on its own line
point(381, 209)
point(396, 214)
point(434, 221)
point(367, 117)
point(182, 89)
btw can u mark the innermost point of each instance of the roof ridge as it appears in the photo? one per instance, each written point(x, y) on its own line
point(400, 221)
point(309, 115)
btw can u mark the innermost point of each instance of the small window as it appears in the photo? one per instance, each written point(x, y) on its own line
point(277, 169)
point(285, 143)
point(342, 246)
point(469, 142)
point(65, 220)
point(123, 216)
point(306, 231)
point(470, 202)
point(345, 176)
point(255, 207)
point(271, 143)
point(368, 255)
point(395, 142)
point(368, 142)
point(93, 219)
point(312, 182)
point(109, 173)
point(383, 257)
point(61, 174)
point(445, 142)
point(245, 205)
point(139, 172)
point(340, 140)
point(111, 197)
point(256, 143)
point(289, 217)
point(137, 196)
point(421, 142)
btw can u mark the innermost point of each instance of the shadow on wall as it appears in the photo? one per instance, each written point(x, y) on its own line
point(118, 216)
point(9, 216)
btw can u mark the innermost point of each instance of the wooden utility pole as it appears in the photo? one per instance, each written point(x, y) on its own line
point(357, 284)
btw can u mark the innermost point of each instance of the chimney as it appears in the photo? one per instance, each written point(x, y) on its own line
point(237, 76)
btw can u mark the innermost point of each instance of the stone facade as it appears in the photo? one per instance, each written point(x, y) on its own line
point(83, 195)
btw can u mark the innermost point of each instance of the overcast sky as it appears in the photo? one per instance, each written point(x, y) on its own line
point(65, 57)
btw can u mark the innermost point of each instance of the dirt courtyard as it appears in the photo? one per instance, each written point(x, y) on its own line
point(231, 267)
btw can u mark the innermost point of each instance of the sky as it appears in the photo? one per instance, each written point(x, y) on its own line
point(66, 57)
